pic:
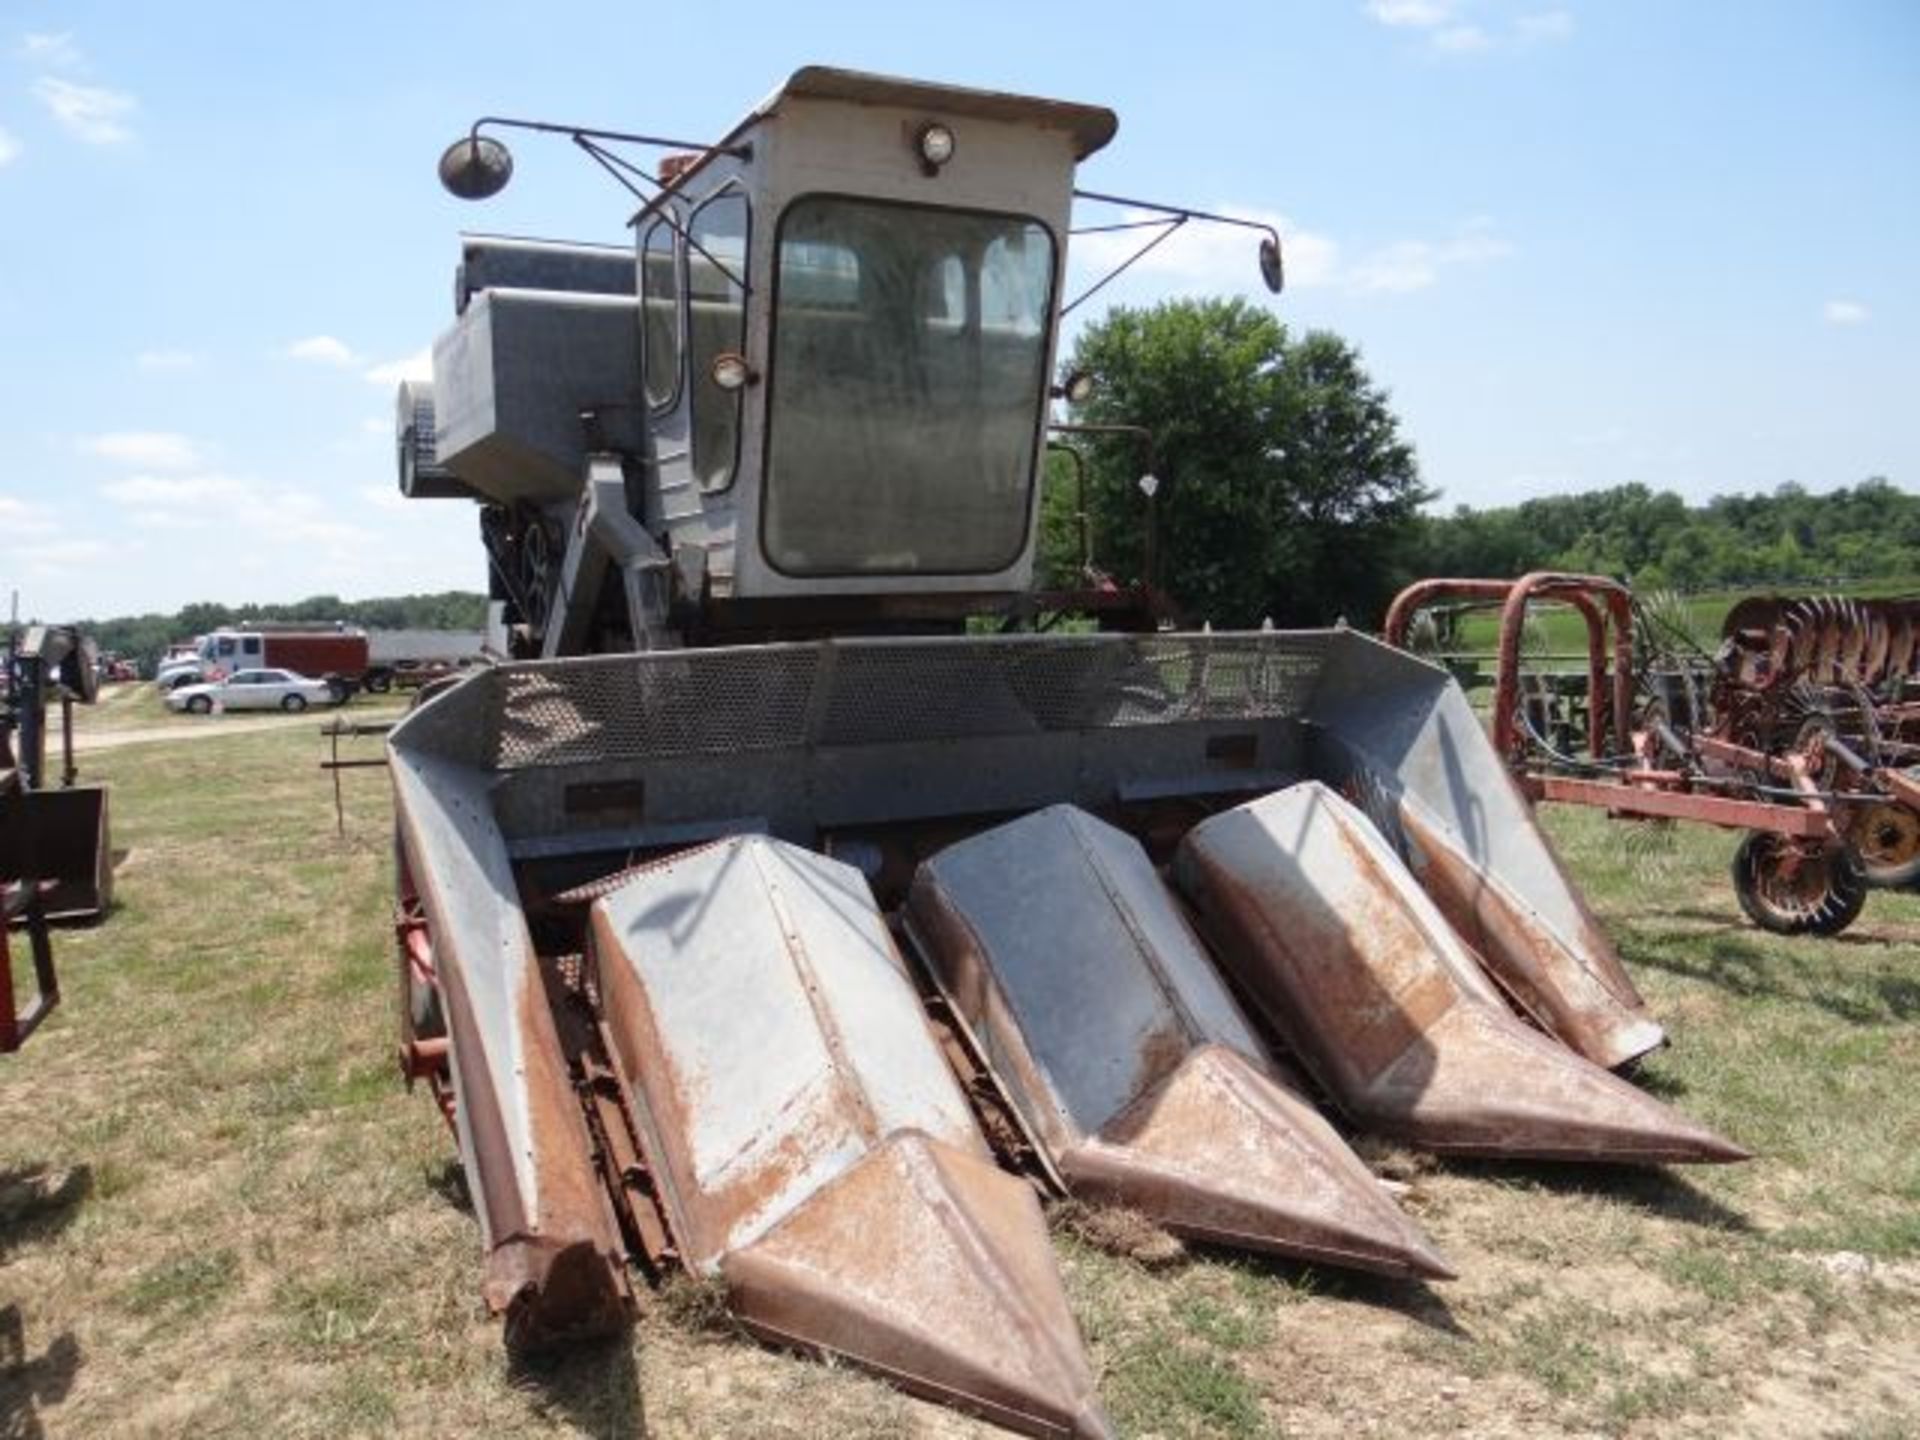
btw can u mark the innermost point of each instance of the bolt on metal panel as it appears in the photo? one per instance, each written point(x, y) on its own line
point(1095, 1006)
point(809, 1142)
point(1361, 975)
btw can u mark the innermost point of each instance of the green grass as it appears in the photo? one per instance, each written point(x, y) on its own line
point(221, 1215)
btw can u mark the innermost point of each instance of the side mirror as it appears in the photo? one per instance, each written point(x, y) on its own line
point(476, 167)
point(1270, 268)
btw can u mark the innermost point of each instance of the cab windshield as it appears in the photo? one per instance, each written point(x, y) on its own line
point(907, 388)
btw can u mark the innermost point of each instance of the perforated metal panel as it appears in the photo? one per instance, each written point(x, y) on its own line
point(863, 692)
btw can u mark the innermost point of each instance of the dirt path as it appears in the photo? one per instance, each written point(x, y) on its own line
point(210, 728)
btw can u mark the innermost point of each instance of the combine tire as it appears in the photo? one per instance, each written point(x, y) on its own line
point(294, 704)
point(1788, 889)
point(378, 682)
point(200, 705)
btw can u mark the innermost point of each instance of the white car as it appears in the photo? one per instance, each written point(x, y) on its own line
point(253, 690)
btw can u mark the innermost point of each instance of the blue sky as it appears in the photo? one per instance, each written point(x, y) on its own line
point(1580, 243)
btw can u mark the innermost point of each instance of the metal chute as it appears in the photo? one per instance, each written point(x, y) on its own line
point(811, 1146)
point(1360, 973)
point(1055, 942)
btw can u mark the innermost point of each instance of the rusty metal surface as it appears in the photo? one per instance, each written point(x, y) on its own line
point(811, 1145)
point(1095, 1005)
point(1361, 975)
point(1574, 987)
point(555, 1265)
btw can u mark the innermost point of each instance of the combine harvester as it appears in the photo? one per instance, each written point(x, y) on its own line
point(764, 921)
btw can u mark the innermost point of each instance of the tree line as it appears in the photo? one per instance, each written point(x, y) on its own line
point(1284, 490)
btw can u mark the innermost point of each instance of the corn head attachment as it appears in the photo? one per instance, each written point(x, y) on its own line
point(649, 959)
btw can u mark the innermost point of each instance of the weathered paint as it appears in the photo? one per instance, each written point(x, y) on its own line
point(555, 1263)
point(811, 1145)
point(1120, 1049)
point(1363, 978)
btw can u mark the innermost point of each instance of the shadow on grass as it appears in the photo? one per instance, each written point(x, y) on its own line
point(1748, 972)
point(449, 1181)
point(593, 1386)
point(36, 1203)
point(1651, 1190)
point(1415, 1299)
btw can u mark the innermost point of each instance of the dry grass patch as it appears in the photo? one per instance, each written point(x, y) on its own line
point(220, 1215)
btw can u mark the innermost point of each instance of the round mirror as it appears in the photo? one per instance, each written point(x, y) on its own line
point(1270, 270)
point(475, 167)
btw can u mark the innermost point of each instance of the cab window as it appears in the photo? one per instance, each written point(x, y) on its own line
point(716, 325)
point(660, 315)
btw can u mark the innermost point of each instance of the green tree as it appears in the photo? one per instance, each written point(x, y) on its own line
point(1285, 490)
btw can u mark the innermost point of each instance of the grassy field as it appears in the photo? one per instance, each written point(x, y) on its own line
point(220, 1215)
point(1562, 631)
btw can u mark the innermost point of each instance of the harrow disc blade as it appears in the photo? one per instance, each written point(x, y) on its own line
point(1360, 974)
point(1124, 1057)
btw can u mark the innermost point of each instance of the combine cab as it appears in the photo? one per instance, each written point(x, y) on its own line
point(803, 939)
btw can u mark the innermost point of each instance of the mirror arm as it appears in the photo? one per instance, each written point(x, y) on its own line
point(739, 152)
point(1175, 217)
point(614, 164)
point(1171, 225)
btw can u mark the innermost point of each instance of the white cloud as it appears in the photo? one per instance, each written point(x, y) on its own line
point(385, 497)
point(1448, 32)
point(323, 350)
point(163, 360)
point(1461, 39)
point(87, 112)
point(22, 518)
point(267, 514)
point(417, 366)
point(1844, 312)
point(147, 492)
point(58, 51)
point(150, 449)
point(60, 555)
point(1220, 259)
point(377, 425)
point(1543, 25)
point(1411, 265)
point(1415, 14)
point(9, 148)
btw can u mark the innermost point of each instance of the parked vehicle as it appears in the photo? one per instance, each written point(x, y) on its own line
point(253, 690)
point(346, 657)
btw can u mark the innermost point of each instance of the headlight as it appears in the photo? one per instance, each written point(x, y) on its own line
point(935, 145)
point(731, 371)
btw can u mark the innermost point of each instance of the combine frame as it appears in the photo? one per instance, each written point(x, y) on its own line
point(760, 920)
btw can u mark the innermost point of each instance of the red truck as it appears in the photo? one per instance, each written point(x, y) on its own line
point(338, 656)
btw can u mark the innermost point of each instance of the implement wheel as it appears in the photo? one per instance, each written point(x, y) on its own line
point(1791, 887)
point(1886, 842)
